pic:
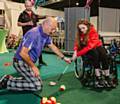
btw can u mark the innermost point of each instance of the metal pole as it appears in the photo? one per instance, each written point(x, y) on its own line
point(98, 16)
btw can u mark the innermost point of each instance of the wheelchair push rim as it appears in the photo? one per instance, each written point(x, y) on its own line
point(78, 65)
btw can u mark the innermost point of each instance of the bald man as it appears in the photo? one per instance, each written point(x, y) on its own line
point(27, 54)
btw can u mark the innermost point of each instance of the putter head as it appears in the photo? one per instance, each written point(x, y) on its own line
point(51, 83)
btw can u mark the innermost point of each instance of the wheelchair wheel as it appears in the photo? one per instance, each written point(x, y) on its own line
point(79, 70)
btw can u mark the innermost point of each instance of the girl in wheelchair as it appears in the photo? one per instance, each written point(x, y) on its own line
point(87, 42)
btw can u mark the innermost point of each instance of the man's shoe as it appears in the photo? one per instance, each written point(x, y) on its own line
point(3, 81)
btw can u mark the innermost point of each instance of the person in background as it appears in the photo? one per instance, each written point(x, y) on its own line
point(27, 54)
point(87, 43)
point(27, 20)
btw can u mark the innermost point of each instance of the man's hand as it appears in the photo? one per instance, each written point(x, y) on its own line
point(30, 23)
point(68, 60)
point(36, 71)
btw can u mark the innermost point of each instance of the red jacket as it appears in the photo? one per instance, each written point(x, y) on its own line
point(93, 42)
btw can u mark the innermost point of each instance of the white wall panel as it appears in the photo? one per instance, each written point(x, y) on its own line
point(109, 19)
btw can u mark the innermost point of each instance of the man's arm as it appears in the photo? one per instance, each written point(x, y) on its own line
point(56, 50)
point(21, 19)
point(59, 53)
point(25, 24)
point(21, 24)
point(25, 56)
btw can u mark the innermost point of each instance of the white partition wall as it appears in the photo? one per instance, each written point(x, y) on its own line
point(109, 24)
point(109, 20)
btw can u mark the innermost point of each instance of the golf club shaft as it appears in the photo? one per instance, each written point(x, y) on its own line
point(38, 95)
point(66, 68)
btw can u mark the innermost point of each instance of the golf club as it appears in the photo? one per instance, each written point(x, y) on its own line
point(52, 83)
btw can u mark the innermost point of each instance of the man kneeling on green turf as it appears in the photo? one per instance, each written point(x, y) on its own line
point(27, 54)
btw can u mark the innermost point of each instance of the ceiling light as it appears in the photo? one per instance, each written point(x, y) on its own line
point(77, 3)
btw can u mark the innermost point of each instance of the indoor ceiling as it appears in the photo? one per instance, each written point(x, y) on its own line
point(61, 4)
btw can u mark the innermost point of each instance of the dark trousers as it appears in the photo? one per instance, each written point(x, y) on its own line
point(98, 57)
point(40, 59)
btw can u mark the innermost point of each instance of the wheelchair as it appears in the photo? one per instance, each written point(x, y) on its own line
point(85, 72)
